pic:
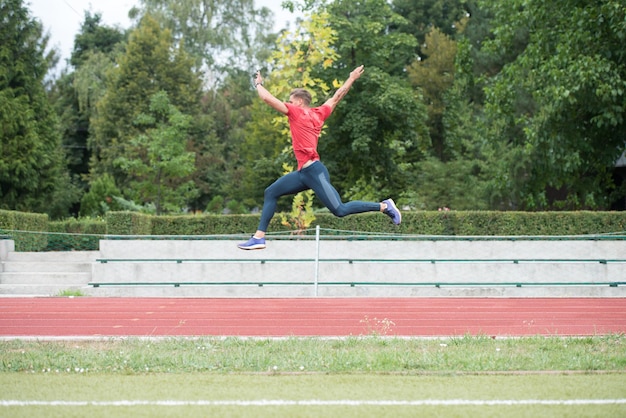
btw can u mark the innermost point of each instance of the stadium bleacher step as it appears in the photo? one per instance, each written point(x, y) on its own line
point(288, 268)
point(45, 273)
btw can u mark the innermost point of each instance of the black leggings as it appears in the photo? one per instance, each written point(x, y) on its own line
point(313, 177)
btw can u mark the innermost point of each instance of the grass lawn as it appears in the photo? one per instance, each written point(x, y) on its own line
point(310, 377)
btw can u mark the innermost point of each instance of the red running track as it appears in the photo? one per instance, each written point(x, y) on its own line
point(144, 317)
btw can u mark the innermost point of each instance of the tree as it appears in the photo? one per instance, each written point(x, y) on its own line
point(151, 64)
point(461, 181)
point(94, 37)
point(378, 132)
point(75, 93)
point(32, 162)
point(226, 40)
point(159, 166)
point(101, 197)
point(219, 35)
point(433, 74)
point(558, 108)
point(228, 108)
point(424, 15)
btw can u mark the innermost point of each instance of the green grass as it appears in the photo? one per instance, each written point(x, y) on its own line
point(358, 388)
point(371, 354)
point(71, 292)
point(201, 373)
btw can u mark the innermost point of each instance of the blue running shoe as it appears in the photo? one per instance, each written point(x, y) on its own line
point(392, 211)
point(253, 244)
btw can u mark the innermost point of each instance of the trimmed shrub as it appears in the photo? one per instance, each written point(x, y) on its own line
point(128, 223)
point(76, 234)
point(26, 229)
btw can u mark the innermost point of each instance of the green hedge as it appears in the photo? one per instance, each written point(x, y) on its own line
point(489, 223)
point(17, 222)
point(128, 223)
point(210, 225)
point(414, 223)
point(76, 234)
point(34, 232)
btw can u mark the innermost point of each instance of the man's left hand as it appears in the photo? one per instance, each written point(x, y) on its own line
point(356, 73)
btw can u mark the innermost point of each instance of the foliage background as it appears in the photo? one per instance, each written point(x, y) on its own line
point(466, 104)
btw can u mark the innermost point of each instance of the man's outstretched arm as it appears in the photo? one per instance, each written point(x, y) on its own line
point(267, 97)
point(343, 90)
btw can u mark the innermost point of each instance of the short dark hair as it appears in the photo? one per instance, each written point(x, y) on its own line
point(302, 94)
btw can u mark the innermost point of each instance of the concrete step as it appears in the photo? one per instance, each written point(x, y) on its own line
point(45, 266)
point(53, 256)
point(357, 291)
point(45, 278)
point(45, 273)
point(498, 249)
point(33, 290)
point(548, 272)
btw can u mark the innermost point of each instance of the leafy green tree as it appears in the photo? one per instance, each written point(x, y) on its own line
point(216, 205)
point(151, 63)
point(75, 93)
point(461, 181)
point(101, 197)
point(218, 34)
point(424, 15)
point(94, 37)
point(433, 76)
point(378, 133)
point(236, 208)
point(73, 126)
point(226, 40)
point(159, 165)
point(558, 108)
point(32, 162)
point(456, 170)
point(228, 108)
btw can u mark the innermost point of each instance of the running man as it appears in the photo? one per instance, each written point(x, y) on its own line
point(306, 123)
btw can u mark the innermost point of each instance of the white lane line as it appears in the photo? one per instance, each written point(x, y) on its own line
point(319, 402)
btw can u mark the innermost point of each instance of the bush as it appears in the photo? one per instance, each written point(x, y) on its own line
point(33, 232)
point(26, 229)
point(76, 234)
point(101, 197)
point(128, 223)
point(209, 224)
point(489, 223)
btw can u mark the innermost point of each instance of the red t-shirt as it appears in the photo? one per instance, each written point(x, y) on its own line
point(306, 127)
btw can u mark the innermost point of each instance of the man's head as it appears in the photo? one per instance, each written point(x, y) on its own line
point(300, 97)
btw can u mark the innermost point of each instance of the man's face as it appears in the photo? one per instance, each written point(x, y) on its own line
point(296, 101)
